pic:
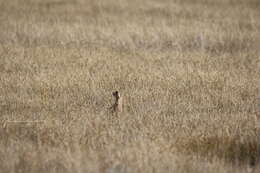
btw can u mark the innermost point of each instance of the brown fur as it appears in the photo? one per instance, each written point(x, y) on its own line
point(118, 105)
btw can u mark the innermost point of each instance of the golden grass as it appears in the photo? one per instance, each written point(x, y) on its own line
point(189, 71)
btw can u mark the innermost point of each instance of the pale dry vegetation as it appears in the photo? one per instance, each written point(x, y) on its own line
point(189, 71)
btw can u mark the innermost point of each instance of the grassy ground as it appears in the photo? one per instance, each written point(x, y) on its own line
point(189, 71)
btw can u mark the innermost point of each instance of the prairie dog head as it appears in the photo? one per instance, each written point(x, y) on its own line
point(116, 94)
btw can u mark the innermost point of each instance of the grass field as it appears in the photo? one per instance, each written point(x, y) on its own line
point(189, 72)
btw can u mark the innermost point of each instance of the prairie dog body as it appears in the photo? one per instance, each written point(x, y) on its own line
point(118, 105)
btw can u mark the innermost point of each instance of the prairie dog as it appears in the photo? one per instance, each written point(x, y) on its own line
point(118, 105)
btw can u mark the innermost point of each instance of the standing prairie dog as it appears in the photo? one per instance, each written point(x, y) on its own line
point(118, 105)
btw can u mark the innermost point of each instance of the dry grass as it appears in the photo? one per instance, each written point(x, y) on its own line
point(189, 71)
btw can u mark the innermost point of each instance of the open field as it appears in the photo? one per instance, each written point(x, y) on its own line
point(189, 71)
